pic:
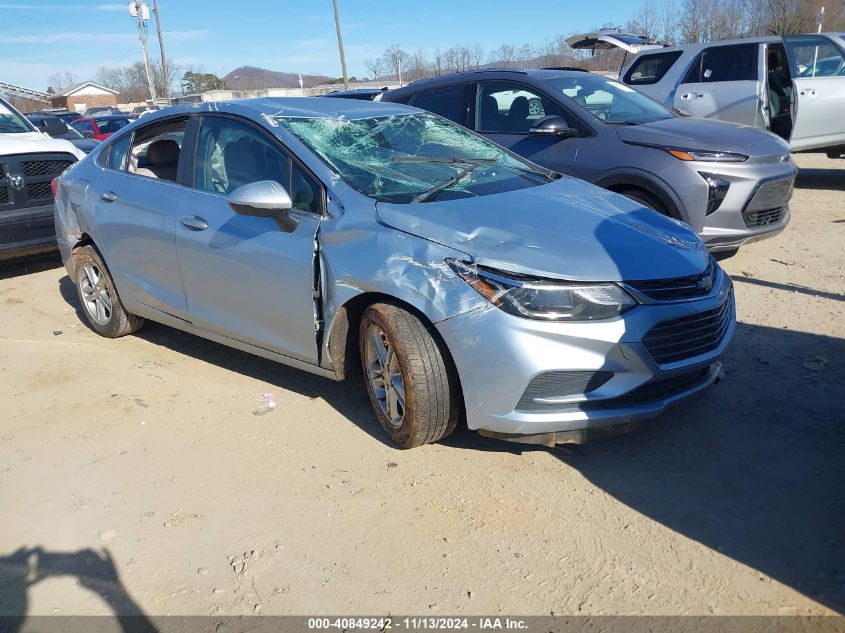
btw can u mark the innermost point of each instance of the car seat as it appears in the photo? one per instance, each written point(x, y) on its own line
point(162, 160)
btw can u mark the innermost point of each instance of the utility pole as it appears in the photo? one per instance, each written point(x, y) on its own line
point(340, 46)
point(140, 10)
point(164, 70)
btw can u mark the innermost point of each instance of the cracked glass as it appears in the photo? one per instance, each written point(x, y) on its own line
point(412, 157)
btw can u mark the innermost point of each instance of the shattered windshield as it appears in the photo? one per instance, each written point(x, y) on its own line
point(611, 101)
point(408, 158)
point(11, 122)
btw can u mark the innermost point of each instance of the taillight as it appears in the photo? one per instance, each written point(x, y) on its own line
point(54, 186)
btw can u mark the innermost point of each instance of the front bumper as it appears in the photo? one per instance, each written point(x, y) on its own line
point(27, 231)
point(756, 207)
point(498, 356)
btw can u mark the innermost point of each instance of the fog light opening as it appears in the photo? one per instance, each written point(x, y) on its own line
point(717, 189)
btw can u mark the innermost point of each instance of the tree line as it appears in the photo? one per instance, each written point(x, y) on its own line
point(668, 21)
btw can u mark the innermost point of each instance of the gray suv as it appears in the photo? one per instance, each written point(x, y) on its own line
point(732, 183)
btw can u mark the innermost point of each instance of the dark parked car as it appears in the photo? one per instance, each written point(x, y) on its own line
point(364, 94)
point(57, 128)
point(732, 183)
point(65, 115)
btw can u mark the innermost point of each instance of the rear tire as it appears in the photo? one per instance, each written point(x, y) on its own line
point(411, 386)
point(100, 302)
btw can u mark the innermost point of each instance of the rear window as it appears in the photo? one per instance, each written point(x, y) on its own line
point(649, 69)
point(450, 103)
point(724, 63)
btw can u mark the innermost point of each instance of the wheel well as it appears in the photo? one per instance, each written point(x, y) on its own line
point(344, 335)
point(667, 204)
point(84, 240)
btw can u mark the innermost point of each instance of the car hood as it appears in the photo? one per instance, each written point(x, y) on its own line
point(32, 142)
point(704, 134)
point(567, 229)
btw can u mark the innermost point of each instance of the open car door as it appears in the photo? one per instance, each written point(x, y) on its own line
point(817, 67)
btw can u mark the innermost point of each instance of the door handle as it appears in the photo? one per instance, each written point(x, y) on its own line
point(692, 95)
point(108, 196)
point(194, 223)
point(807, 93)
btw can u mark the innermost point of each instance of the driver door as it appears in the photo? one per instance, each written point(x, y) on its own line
point(246, 277)
point(818, 77)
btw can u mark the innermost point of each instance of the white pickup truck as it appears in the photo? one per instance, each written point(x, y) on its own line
point(29, 160)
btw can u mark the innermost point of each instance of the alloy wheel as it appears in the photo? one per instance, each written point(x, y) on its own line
point(95, 294)
point(384, 375)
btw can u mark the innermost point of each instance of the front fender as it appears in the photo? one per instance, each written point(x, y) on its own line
point(648, 182)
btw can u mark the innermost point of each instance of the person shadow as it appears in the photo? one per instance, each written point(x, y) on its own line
point(93, 570)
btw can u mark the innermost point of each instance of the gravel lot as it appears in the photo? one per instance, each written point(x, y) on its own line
point(134, 476)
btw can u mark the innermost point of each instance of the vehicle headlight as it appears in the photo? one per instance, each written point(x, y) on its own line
point(544, 299)
point(709, 156)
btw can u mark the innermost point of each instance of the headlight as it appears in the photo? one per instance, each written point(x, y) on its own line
point(710, 157)
point(704, 155)
point(545, 300)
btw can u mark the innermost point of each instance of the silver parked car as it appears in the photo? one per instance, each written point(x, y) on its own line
point(731, 183)
point(792, 85)
point(345, 237)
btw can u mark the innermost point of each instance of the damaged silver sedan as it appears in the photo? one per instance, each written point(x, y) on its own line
point(350, 238)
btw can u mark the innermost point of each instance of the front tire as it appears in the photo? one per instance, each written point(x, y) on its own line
point(646, 199)
point(412, 389)
point(100, 302)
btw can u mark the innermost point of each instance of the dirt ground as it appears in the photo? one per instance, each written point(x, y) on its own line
point(134, 476)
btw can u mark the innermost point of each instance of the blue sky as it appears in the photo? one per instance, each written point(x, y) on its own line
point(40, 37)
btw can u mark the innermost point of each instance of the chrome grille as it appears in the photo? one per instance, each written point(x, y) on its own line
point(765, 217)
point(679, 288)
point(688, 336)
point(44, 167)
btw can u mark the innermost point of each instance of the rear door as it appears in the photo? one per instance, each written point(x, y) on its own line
point(248, 277)
point(817, 66)
point(505, 111)
point(136, 207)
point(724, 83)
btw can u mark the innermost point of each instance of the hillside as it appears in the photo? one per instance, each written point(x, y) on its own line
point(252, 78)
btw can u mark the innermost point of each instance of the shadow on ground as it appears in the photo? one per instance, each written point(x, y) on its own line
point(817, 178)
point(19, 268)
point(753, 468)
point(93, 570)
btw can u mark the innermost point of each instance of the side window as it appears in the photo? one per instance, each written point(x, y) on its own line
point(725, 63)
point(512, 108)
point(231, 154)
point(649, 69)
point(814, 57)
point(83, 126)
point(155, 149)
point(449, 103)
point(118, 152)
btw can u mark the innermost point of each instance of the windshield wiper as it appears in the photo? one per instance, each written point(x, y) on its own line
point(430, 193)
point(457, 160)
point(454, 160)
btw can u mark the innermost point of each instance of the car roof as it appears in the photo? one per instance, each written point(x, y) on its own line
point(102, 117)
point(484, 73)
point(306, 107)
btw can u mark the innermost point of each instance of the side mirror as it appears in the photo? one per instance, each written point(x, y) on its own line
point(553, 126)
point(264, 199)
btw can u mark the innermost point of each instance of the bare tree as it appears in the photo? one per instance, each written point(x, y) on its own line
point(396, 59)
point(646, 21)
point(62, 80)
